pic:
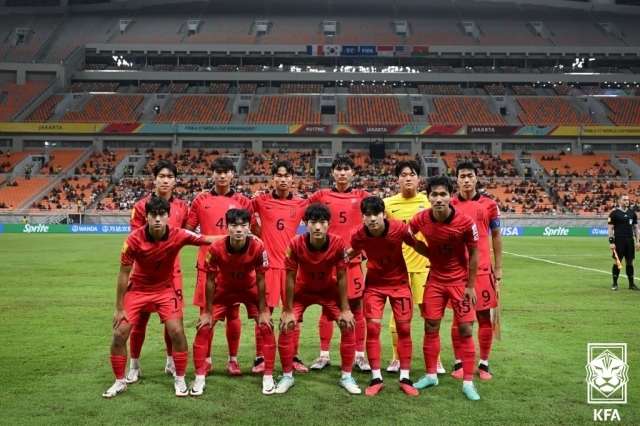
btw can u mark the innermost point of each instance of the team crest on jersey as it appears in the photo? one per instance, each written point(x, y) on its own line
point(169, 251)
point(391, 247)
point(292, 212)
point(208, 258)
point(354, 203)
point(452, 236)
point(421, 209)
point(480, 214)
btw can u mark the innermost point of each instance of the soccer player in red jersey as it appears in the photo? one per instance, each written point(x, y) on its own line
point(280, 214)
point(344, 203)
point(387, 277)
point(484, 211)
point(452, 240)
point(153, 250)
point(165, 175)
point(315, 262)
point(235, 274)
point(208, 211)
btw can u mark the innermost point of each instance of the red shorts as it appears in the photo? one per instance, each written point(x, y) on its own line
point(165, 303)
point(177, 285)
point(355, 281)
point(329, 300)
point(435, 301)
point(275, 282)
point(485, 287)
point(374, 299)
point(199, 295)
point(224, 300)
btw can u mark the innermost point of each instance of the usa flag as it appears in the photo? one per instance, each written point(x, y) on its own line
point(404, 50)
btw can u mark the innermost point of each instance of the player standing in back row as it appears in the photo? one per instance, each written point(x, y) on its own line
point(485, 213)
point(344, 203)
point(623, 225)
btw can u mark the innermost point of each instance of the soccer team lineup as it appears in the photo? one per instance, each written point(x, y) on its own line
point(425, 254)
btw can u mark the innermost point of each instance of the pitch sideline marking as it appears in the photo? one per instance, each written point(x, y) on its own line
point(560, 264)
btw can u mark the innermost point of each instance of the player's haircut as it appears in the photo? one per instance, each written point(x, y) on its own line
point(317, 212)
point(439, 181)
point(165, 165)
point(466, 165)
point(412, 165)
point(157, 206)
point(223, 163)
point(373, 205)
point(341, 161)
point(282, 163)
point(237, 216)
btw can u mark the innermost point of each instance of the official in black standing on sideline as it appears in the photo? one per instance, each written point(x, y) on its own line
point(623, 225)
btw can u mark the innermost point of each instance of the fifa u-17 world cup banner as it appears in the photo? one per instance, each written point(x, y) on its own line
point(611, 131)
point(346, 129)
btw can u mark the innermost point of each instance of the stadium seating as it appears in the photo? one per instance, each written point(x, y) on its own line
point(510, 70)
point(79, 29)
point(370, 88)
point(8, 23)
point(69, 191)
point(626, 111)
point(197, 109)
point(495, 89)
point(148, 87)
point(440, 89)
point(582, 165)
point(438, 26)
point(44, 111)
point(9, 162)
point(189, 68)
point(548, 70)
point(81, 86)
point(107, 109)
point(484, 69)
point(95, 67)
point(463, 111)
point(177, 87)
point(61, 158)
point(15, 195)
point(300, 88)
point(41, 27)
point(101, 163)
point(374, 110)
point(247, 88)
point(18, 95)
point(253, 68)
point(163, 67)
point(523, 90)
point(219, 88)
point(299, 23)
point(435, 68)
point(550, 112)
point(284, 110)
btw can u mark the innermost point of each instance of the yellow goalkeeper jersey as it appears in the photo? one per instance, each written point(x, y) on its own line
point(404, 209)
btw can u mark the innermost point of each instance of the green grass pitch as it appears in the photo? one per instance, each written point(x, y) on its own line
point(57, 300)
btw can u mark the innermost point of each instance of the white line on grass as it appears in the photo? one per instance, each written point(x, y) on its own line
point(559, 264)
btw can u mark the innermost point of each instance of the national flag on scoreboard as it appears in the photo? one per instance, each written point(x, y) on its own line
point(385, 50)
point(315, 50)
point(404, 50)
point(332, 50)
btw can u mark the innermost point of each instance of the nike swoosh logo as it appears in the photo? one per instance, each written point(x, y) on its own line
point(270, 208)
point(207, 207)
point(393, 211)
point(329, 202)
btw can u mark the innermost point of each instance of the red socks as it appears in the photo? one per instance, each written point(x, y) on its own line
point(374, 348)
point(431, 350)
point(361, 329)
point(269, 346)
point(325, 330)
point(468, 347)
point(485, 337)
point(201, 349)
point(259, 341)
point(455, 340)
point(167, 342)
point(405, 345)
point(118, 365)
point(234, 326)
point(136, 338)
point(180, 361)
point(285, 347)
point(348, 349)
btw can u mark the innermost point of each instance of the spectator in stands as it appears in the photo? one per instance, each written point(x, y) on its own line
point(25, 220)
point(27, 172)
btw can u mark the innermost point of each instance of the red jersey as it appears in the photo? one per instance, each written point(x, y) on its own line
point(385, 261)
point(485, 213)
point(448, 242)
point(236, 271)
point(316, 269)
point(280, 218)
point(209, 210)
point(154, 260)
point(345, 210)
point(178, 217)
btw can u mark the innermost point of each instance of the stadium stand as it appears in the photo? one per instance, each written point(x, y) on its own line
point(219, 88)
point(7, 24)
point(82, 86)
point(488, 165)
point(585, 166)
point(550, 112)
point(162, 67)
point(510, 70)
point(435, 68)
point(41, 27)
point(107, 108)
point(79, 29)
point(21, 189)
point(495, 89)
point(10, 159)
point(440, 89)
point(17, 96)
point(300, 88)
point(95, 67)
point(45, 110)
point(374, 110)
point(484, 69)
point(189, 68)
point(253, 68)
point(61, 158)
point(177, 88)
point(437, 27)
point(284, 110)
point(524, 90)
point(626, 111)
point(296, 21)
point(548, 70)
point(226, 68)
point(101, 163)
point(197, 109)
point(71, 190)
point(247, 88)
point(370, 88)
point(148, 87)
point(463, 111)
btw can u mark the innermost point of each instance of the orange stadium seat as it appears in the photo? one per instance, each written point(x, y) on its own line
point(551, 112)
point(107, 108)
point(62, 159)
point(197, 109)
point(626, 111)
point(284, 110)
point(17, 96)
point(15, 157)
point(577, 163)
point(374, 110)
point(44, 111)
point(15, 195)
point(463, 111)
